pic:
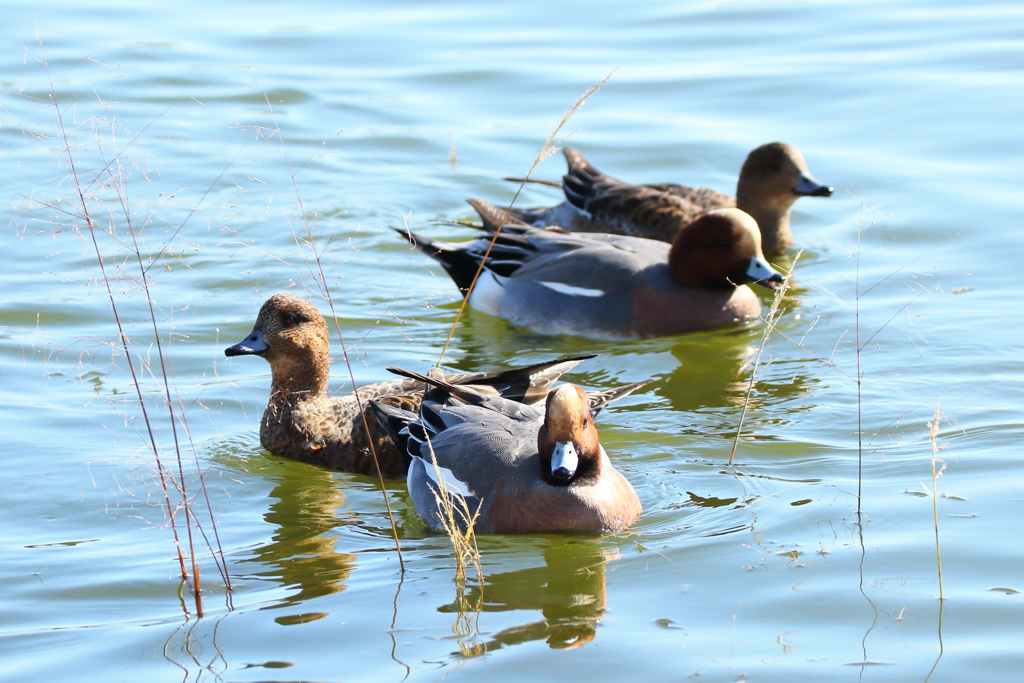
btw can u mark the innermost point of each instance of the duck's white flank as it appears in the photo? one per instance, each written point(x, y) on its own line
point(488, 294)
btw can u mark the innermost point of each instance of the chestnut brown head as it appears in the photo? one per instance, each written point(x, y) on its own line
point(567, 442)
point(721, 250)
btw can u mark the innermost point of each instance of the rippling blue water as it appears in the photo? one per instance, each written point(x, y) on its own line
point(223, 127)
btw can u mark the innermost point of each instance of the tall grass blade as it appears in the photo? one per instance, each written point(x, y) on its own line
point(770, 321)
point(545, 151)
point(321, 279)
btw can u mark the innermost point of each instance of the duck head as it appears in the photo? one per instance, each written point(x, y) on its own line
point(772, 178)
point(721, 250)
point(292, 336)
point(776, 174)
point(568, 444)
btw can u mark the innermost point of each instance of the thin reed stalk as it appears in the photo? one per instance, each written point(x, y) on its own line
point(770, 321)
point(218, 550)
point(545, 151)
point(860, 373)
point(110, 174)
point(460, 525)
point(321, 280)
point(192, 580)
point(933, 436)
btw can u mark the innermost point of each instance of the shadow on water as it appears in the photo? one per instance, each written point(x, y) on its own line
point(569, 592)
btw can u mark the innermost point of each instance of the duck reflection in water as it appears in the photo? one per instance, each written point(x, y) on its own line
point(301, 554)
point(569, 591)
point(692, 372)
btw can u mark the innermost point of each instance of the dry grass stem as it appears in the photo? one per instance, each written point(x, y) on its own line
point(321, 279)
point(459, 523)
point(137, 361)
point(545, 151)
point(860, 373)
point(938, 467)
point(770, 320)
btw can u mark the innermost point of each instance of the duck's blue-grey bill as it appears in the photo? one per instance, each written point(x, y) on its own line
point(251, 345)
point(807, 186)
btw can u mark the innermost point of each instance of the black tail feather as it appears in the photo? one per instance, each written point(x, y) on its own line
point(394, 421)
point(576, 191)
point(578, 182)
point(529, 384)
point(460, 263)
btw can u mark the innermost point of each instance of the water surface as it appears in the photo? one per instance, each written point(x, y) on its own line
point(245, 138)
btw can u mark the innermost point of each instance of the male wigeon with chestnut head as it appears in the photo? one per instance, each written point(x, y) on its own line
point(511, 468)
point(611, 287)
point(304, 423)
point(773, 177)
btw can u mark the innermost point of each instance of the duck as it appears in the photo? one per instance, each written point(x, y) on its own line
point(772, 178)
point(303, 422)
point(609, 287)
point(507, 467)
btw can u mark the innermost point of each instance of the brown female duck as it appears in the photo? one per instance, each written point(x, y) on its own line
point(773, 177)
point(302, 422)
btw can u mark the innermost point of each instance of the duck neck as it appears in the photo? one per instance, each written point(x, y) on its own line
point(296, 382)
point(772, 218)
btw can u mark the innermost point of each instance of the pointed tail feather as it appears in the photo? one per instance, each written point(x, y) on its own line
point(464, 394)
point(599, 400)
point(456, 259)
point(528, 384)
point(493, 216)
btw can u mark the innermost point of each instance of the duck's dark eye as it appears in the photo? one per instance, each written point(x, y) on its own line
point(291, 319)
point(774, 167)
point(585, 422)
point(722, 243)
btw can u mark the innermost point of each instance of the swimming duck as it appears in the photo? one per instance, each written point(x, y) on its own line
point(611, 287)
point(515, 468)
point(773, 177)
point(304, 423)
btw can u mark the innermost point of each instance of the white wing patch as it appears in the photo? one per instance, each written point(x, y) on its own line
point(448, 480)
point(571, 290)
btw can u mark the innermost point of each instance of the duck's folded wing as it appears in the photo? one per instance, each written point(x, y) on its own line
point(704, 197)
point(591, 264)
point(465, 454)
point(527, 384)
